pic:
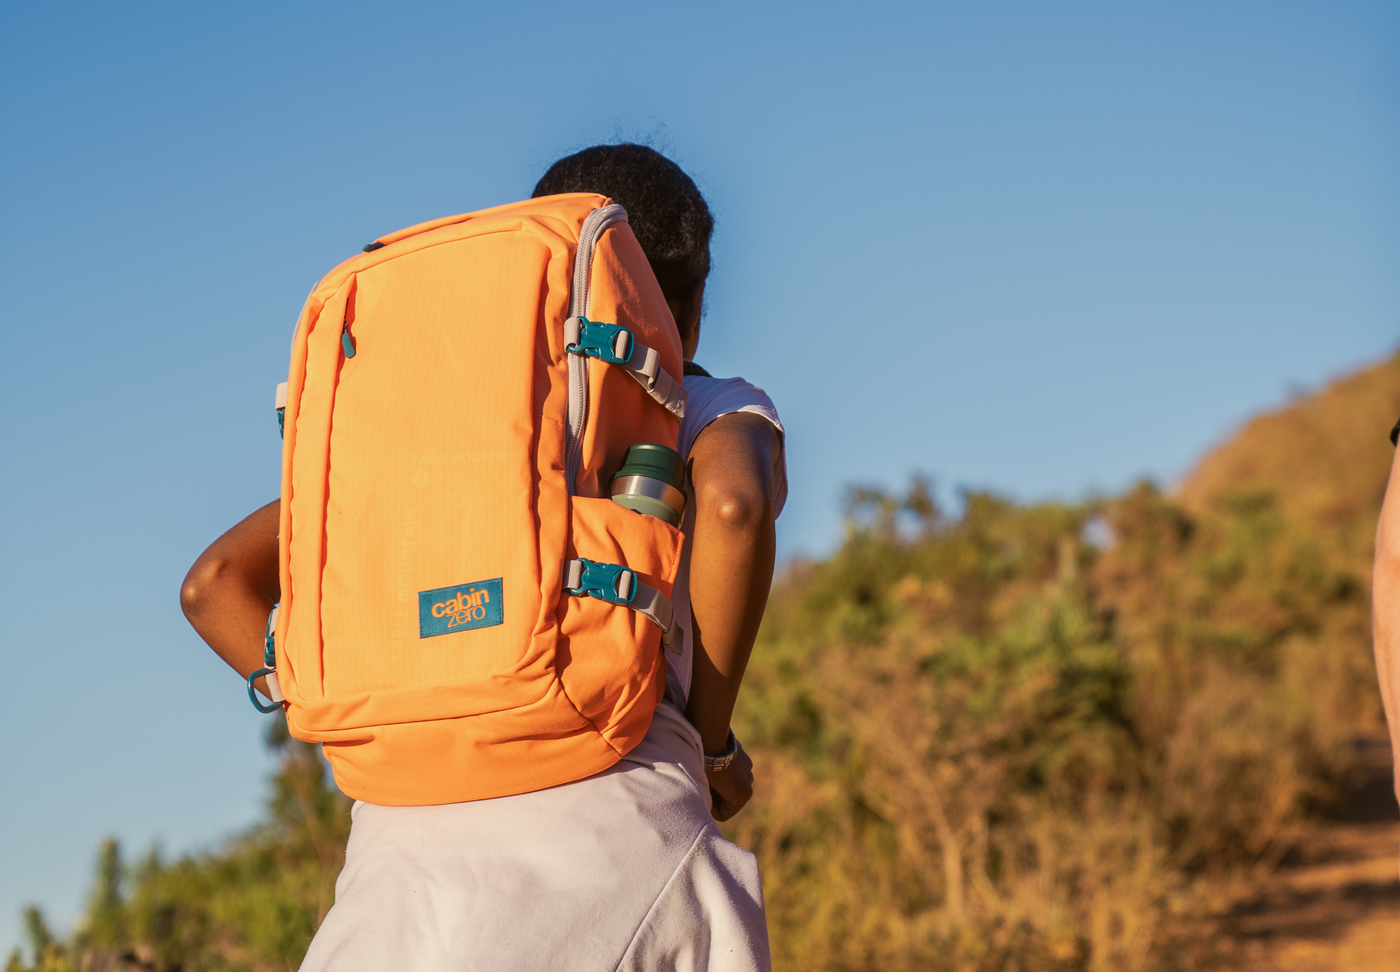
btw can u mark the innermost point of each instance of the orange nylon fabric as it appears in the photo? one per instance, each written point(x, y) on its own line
point(434, 459)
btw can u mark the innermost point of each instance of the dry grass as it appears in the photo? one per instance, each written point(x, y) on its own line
point(990, 744)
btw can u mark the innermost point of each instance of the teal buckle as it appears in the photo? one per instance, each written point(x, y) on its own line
point(600, 341)
point(282, 422)
point(601, 581)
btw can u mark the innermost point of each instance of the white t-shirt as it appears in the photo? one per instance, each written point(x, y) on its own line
point(709, 398)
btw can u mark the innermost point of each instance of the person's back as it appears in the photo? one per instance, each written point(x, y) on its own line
point(624, 869)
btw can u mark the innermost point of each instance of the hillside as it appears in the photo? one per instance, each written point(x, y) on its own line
point(989, 744)
point(1325, 457)
point(1051, 737)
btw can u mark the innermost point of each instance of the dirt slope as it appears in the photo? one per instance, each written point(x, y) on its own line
point(1334, 906)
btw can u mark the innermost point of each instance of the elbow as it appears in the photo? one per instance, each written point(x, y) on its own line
point(740, 512)
point(198, 589)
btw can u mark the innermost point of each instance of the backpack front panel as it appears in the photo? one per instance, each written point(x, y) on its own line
point(417, 459)
point(432, 570)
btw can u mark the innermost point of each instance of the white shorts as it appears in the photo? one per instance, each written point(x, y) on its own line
point(624, 870)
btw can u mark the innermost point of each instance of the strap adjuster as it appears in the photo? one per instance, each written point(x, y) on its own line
point(618, 585)
point(611, 343)
point(607, 582)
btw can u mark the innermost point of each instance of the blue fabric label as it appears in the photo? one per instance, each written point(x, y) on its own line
point(461, 608)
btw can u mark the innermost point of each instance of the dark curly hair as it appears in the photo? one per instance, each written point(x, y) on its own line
point(664, 208)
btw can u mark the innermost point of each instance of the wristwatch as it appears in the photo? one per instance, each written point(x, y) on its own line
point(713, 764)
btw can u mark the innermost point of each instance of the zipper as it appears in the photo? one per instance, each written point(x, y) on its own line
point(588, 235)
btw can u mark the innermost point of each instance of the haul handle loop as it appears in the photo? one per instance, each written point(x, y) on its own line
point(274, 687)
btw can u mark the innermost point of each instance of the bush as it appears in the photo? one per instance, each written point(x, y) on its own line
point(988, 743)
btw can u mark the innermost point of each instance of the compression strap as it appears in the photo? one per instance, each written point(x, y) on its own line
point(614, 344)
point(619, 585)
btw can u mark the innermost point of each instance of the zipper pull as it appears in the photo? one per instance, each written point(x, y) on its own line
point(346, 343)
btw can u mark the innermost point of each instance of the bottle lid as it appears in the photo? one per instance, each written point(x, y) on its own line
point(655, 462)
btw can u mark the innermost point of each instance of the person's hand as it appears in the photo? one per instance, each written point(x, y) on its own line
point(731, 787)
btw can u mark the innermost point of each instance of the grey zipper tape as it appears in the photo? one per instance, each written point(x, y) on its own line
point(593, 226)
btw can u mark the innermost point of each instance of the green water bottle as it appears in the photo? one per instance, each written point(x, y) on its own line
point(652, 481)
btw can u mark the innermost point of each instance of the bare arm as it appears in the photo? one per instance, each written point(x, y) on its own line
point(231, 588)
point(1385, 608)
point(732, 468)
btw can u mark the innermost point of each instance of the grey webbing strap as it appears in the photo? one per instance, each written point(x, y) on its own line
point(274, 685)
point(645, 366)
point(648, 602)
point(656, 607)
point(573, 573)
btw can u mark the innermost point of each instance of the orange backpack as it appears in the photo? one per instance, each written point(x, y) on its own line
point(465, 613)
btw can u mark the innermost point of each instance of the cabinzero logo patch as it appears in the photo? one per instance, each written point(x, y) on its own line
point(461, 608)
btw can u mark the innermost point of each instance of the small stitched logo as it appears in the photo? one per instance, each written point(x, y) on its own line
point(461, 608)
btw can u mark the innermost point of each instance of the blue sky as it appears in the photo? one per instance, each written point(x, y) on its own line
point(1042, 249)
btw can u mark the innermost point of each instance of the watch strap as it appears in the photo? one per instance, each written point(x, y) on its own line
point(713, 764)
